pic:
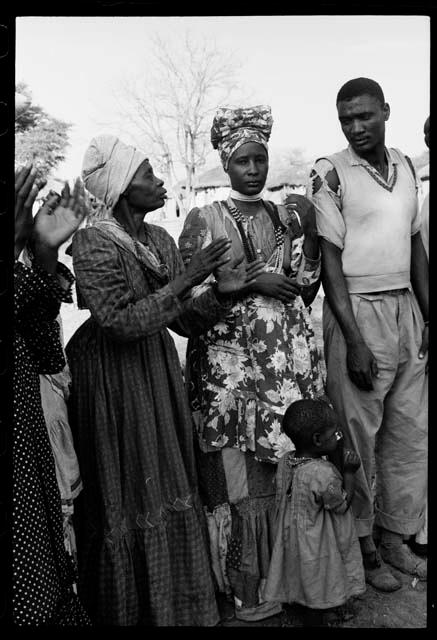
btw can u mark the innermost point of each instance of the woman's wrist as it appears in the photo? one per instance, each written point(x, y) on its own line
point(222, 298)
point(181, 284)
point(45, 256)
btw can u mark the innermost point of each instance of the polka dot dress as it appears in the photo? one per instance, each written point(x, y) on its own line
point(42, 578)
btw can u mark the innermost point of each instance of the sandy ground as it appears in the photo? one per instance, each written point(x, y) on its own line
point(402, 609)
point(405, 608)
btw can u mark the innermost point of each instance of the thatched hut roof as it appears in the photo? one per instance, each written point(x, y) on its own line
point(215, 177)
point(284, 174)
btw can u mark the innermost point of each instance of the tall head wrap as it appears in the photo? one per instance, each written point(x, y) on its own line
point(108, 167)
point(233, 127)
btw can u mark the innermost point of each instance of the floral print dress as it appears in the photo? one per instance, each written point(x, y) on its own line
point(247, 369)
point(241, 374)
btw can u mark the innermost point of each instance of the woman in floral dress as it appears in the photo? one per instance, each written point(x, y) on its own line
point(244, 371)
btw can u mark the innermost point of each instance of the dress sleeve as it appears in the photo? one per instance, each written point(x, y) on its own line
point(308, 272)
point(38, 293)
point(108, 296)
point(305, 271)
point(106, 293)
point(329, 219)
point(195, 235)
point(330, 490)
point(202, 310)
point(37, 300)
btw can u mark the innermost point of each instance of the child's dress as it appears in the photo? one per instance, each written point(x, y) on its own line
point(316, 559)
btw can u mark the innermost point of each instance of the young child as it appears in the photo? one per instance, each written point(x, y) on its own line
point(316, 560)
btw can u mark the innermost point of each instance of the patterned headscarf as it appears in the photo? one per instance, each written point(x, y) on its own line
point(233, 127)
point(108, 167)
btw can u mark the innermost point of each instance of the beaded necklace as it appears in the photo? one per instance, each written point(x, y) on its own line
point(249, 249)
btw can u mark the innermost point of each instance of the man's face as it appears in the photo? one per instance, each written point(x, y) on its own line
point(363, 120)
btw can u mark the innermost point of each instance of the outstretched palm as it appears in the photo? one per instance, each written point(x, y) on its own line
point(237, 276)
point(53, 226)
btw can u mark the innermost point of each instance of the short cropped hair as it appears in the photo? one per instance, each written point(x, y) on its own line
point(360, 87)
point(303, 418)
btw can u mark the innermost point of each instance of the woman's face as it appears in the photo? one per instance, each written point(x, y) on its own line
point(248, 167)
point(145, 191)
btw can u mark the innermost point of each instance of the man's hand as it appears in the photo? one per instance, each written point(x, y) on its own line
point(424, 346)
point(361, 365)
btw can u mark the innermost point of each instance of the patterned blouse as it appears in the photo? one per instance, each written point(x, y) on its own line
point(246, 370)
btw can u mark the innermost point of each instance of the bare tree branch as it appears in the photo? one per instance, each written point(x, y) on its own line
point(170, 105)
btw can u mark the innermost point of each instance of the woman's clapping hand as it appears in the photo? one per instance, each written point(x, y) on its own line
point(236, 276)
point(59, 218)
point(27, 187)
point(206, 261)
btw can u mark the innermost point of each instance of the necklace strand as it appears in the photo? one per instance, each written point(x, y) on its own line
point(247, 241)
point(380, 181)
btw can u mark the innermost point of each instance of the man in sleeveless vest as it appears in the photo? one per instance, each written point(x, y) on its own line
point(375, 327)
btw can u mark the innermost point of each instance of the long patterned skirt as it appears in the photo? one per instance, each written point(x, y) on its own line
point(140, 527)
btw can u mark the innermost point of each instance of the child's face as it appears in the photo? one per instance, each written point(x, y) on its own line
point(330, 438)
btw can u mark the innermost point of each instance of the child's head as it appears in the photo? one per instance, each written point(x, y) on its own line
point(312, 425)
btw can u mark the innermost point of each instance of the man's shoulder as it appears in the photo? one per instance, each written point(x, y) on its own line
point(396, 153)
point(333, 157)
point(399, 156)
point(325, 169)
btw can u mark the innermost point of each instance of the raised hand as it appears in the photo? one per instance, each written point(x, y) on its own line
point(275, 285)
point(236, 276)
point(26, 190)
point(206, 261)
point(56, 221)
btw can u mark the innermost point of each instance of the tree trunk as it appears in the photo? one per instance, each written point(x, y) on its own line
point(192, 171)
point(189, 188)
point(175, 191)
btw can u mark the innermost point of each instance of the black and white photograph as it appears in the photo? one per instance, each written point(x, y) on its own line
point(220, 321)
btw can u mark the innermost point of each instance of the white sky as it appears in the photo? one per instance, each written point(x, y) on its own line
point(294, 63)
